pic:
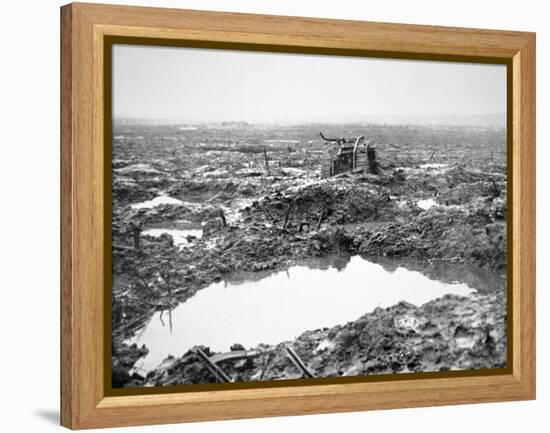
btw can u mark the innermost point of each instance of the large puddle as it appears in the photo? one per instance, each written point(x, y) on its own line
point(271, 308)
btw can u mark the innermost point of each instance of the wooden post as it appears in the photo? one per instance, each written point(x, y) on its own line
point(496, 191)
point(287, 214)
point(136, 235)
point(371, 156)
point(320, 221)
point(222, 216)
point(266, 162)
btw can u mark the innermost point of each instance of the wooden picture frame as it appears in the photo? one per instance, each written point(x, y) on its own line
point(84, 211)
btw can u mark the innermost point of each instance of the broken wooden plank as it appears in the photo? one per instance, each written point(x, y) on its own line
point(214, 369)
point(236, 355)
point(299, 363)
point(122, 247)
point(213, 197)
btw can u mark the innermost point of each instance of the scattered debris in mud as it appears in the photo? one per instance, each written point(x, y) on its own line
point(214, 201)
point(450, 333)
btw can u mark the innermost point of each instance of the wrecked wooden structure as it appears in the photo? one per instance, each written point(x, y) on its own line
point(348, 154)
point(212, 362)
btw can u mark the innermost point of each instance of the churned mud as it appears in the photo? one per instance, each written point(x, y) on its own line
point(218, 201)
point(450, 333)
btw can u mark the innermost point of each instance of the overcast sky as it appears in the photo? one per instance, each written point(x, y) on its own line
point(203, 85)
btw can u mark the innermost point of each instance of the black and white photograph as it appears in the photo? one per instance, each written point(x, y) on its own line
point(280, 216)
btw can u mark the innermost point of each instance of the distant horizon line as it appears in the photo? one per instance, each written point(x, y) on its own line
point(497, 119)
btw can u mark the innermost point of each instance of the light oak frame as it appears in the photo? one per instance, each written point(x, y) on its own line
point(84, 403)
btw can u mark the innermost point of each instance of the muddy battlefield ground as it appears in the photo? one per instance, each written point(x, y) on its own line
point(195, 204)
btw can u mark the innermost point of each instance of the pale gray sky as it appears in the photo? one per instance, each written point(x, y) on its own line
point(203, 85)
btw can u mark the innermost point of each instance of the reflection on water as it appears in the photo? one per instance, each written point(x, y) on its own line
point(161, 199)
point(270, 308)
point(481, 279)
point(426, 204)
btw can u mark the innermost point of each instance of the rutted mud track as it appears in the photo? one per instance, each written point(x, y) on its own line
point(274, 220)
